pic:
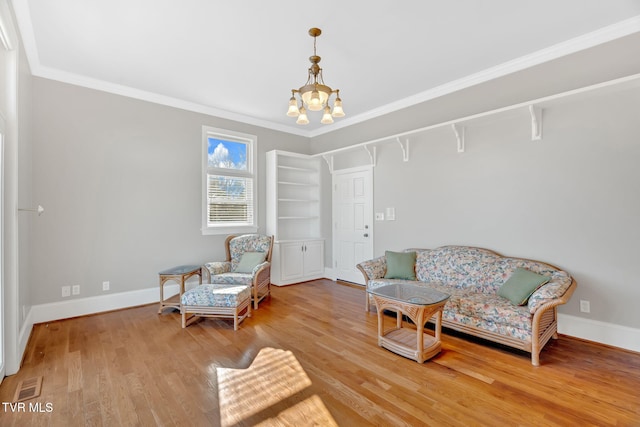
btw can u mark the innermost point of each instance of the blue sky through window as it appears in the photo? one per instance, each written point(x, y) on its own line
point(227, 154)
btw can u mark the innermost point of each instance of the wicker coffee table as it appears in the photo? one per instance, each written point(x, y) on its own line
point(419, 303)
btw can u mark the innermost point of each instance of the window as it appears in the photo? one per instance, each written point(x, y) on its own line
point(229, 182)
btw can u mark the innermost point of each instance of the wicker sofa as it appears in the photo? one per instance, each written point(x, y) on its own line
point(473, 277)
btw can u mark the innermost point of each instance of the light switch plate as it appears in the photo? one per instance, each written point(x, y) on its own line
point(391, 214)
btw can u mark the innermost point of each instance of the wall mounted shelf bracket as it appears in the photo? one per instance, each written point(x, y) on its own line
point(459, 133)
point(329, 159)
point(536, 122)
point(39, 210)
point(372, 154)
point(405, 149)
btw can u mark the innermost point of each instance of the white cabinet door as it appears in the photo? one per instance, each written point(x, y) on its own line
point(291, 261)
point(297, 261)
point(313, 258)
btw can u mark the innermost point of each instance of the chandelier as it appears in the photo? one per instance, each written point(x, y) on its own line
point(315, 94)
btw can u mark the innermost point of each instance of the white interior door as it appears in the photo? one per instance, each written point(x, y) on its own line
point(352, 222)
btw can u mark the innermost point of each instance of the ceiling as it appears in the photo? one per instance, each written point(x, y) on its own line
point(239, 60)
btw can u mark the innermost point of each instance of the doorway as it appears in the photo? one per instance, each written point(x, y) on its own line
point(352, 203)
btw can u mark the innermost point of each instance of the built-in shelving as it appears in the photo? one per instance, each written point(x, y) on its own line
point(293, 217)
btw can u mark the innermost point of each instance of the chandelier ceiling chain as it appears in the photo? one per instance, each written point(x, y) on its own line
point(315, 94)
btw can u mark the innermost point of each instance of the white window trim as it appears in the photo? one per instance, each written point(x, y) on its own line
point(252, 171)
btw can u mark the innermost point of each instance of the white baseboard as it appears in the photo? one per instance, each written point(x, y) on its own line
point(91, 305)
point(600, 332)
point(330, 273)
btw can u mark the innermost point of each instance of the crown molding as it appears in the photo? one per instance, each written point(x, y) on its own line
point(574, 45)
point(104, 86)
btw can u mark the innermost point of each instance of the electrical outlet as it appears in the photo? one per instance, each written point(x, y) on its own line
point(105, 286)
point(585, 306)
point(75, 290)
point(66, 291)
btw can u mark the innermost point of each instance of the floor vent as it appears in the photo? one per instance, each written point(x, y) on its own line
point(28, 389)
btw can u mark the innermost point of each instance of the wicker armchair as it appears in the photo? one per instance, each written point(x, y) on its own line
point(240, 269)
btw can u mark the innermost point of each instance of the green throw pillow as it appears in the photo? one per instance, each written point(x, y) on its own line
point(522, 283)
point(249, 260)
point(401, 265)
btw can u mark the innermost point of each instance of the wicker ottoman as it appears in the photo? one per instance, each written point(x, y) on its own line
point(211, 300)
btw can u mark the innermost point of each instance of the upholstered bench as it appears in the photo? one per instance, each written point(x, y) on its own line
point(214, 300)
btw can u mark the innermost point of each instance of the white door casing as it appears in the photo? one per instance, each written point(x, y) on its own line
point(352, 203)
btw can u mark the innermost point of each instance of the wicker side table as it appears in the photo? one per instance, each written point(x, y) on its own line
point(179, 275)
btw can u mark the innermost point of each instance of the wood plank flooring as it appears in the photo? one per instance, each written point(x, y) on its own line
point(319, 364)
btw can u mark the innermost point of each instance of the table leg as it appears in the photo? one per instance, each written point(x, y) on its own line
point(380, 325)
point(161, 295)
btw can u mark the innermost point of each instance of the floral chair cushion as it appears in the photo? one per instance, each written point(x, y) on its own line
point(247, 243)
point(233, 278)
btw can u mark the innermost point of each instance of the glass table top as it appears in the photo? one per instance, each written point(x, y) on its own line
point(181, 269)
point(410, 293)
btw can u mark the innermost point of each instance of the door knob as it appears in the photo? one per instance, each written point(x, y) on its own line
point(366, 234)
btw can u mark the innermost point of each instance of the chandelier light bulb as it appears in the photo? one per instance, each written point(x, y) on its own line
point(315, 103)
point(337, 108)
point(293, 108)
point(302, 118)
point(326, 117)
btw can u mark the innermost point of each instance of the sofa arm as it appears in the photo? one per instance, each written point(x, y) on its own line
point(374, 268)
point(559, 289)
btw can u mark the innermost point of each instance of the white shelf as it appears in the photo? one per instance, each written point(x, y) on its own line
point(302, 184)
point(297, 169)
point(531, 112)
point(297, 217)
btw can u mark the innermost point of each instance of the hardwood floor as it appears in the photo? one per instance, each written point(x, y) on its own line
point(316, 363)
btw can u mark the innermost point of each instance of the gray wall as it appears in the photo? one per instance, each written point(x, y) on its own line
point(571, 199)
point(120, 180)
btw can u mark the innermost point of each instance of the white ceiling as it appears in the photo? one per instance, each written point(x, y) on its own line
point(240, 59)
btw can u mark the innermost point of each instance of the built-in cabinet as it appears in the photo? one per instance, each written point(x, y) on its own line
point(293, 217)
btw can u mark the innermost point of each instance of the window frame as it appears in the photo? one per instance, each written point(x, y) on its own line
point(251, 142)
